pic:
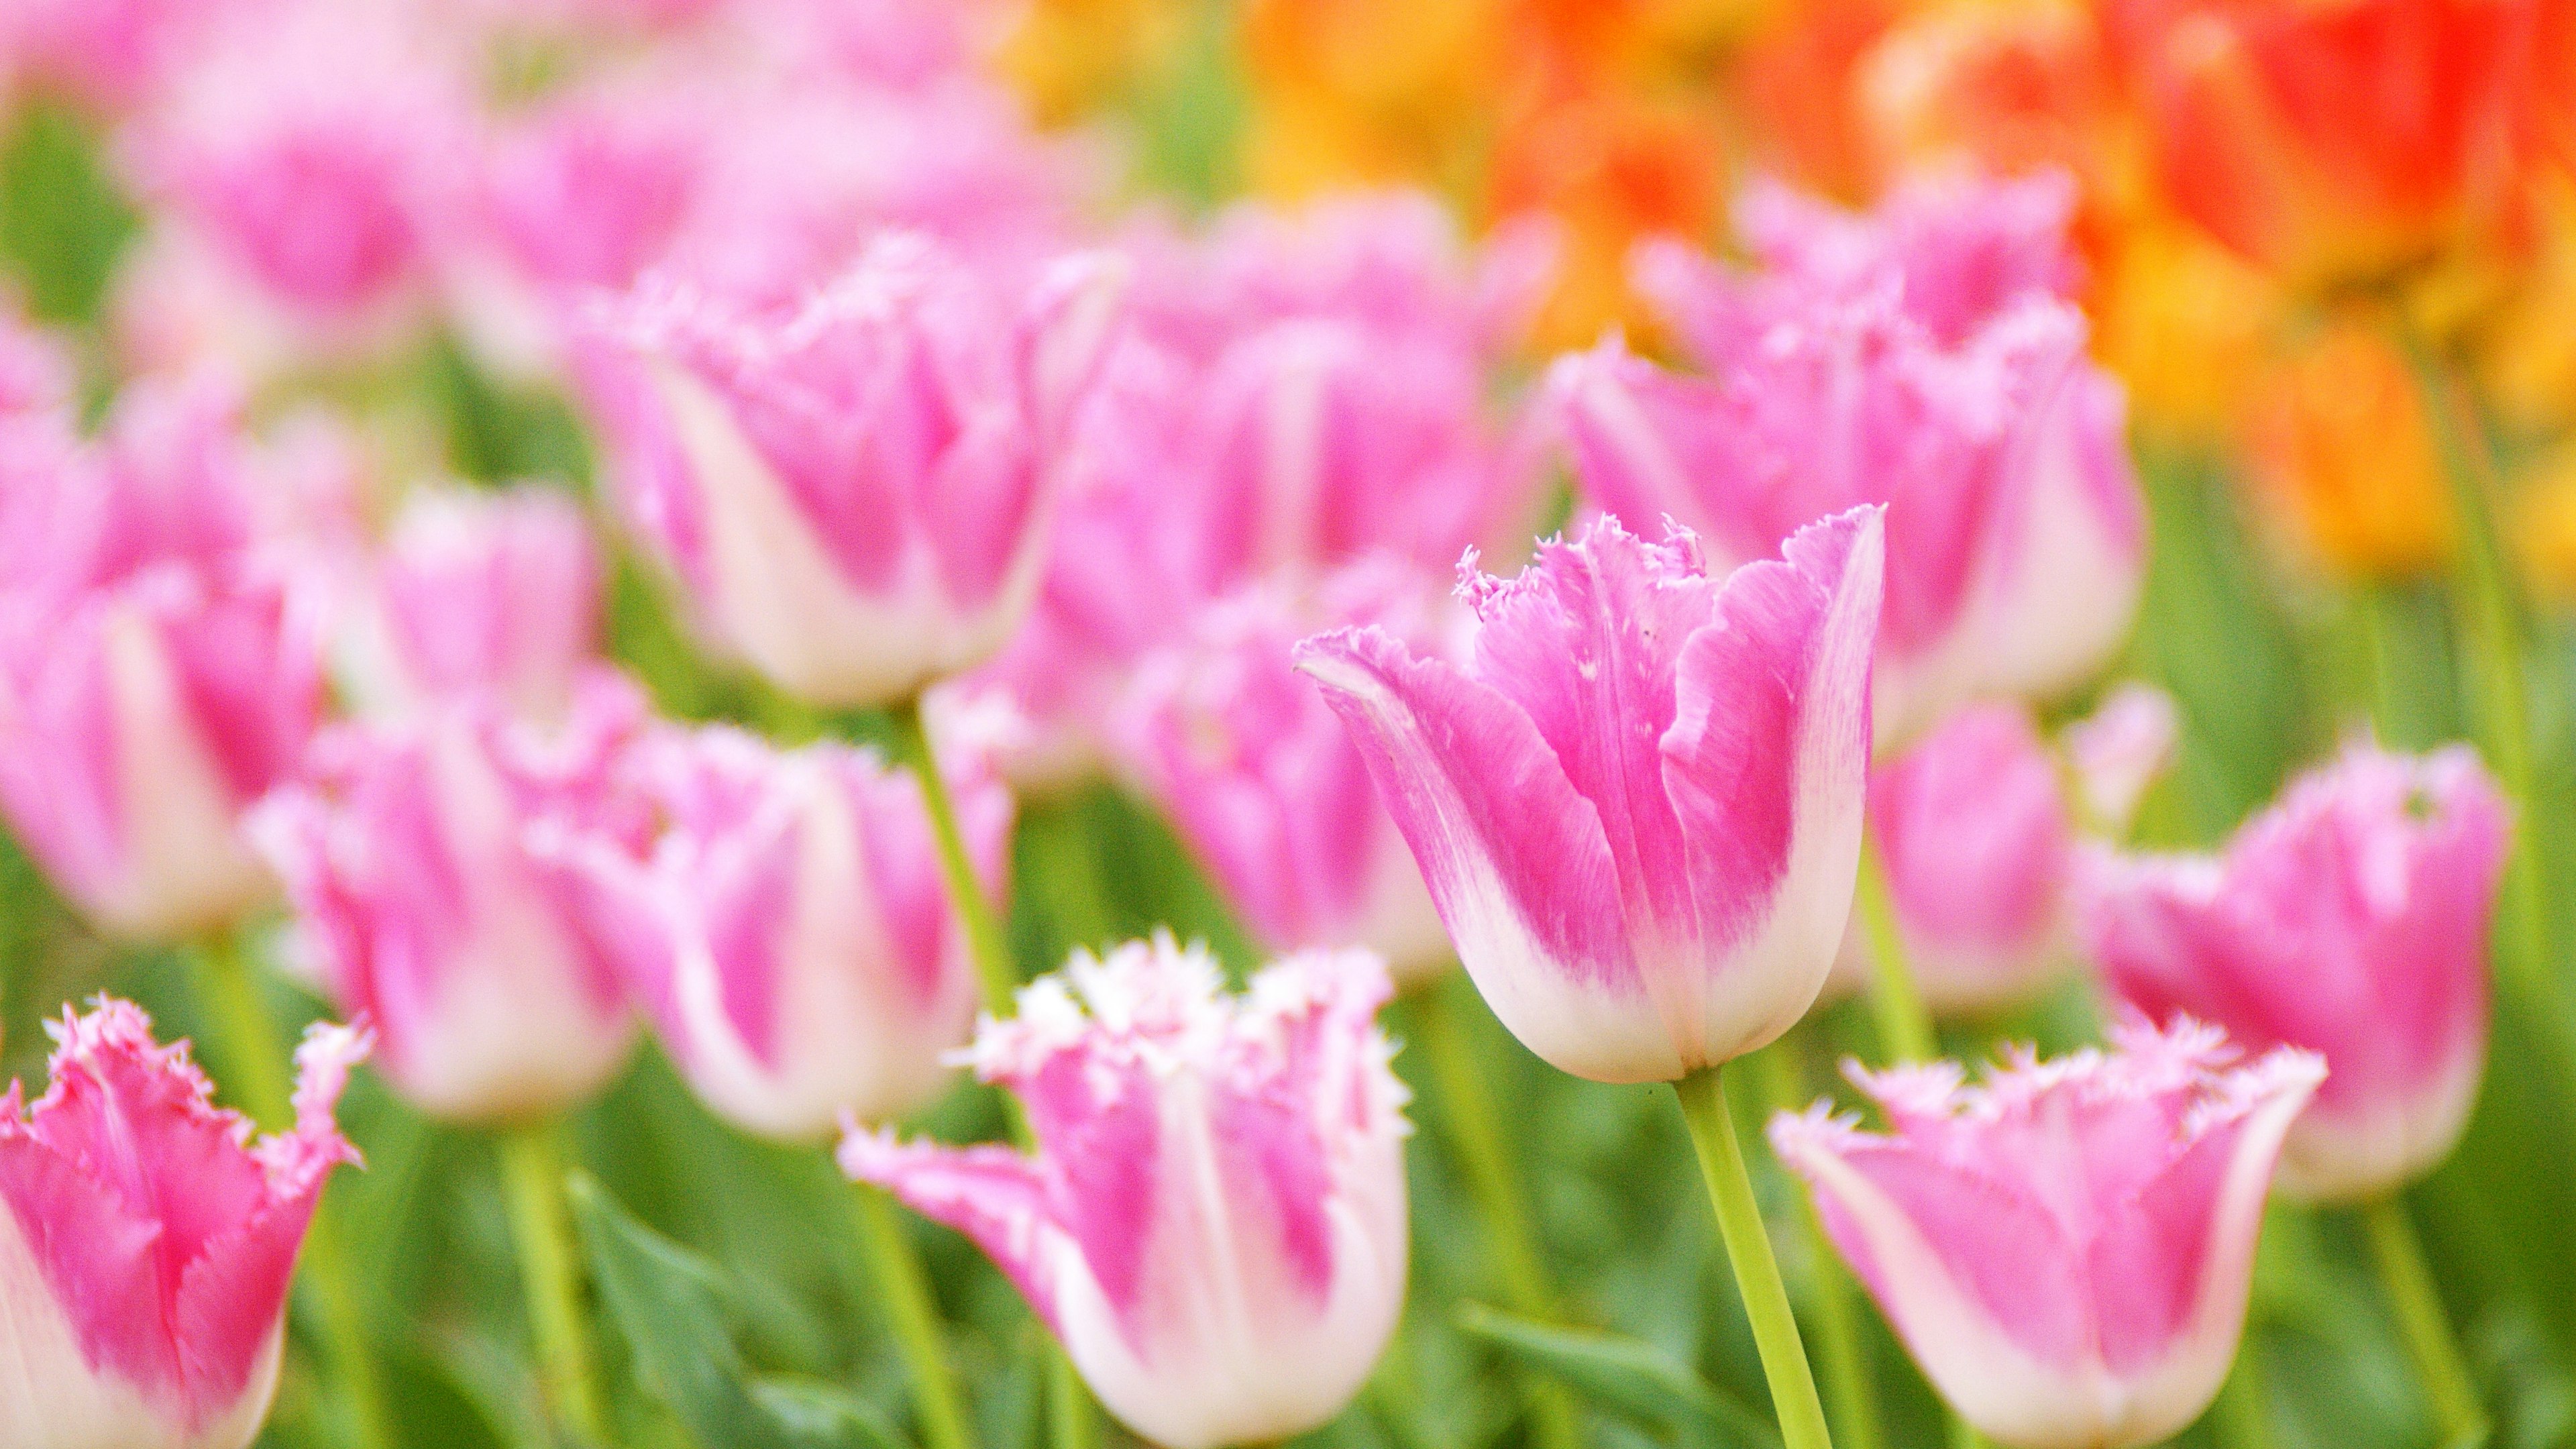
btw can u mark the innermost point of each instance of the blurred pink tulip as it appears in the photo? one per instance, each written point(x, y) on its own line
point(857, 491)
point(2350, 919)
point(788, 931)
point(157, 672)
point(2120, 751)
point(1638, 804)
point(1264, 783)
point(147, 1242)
point(419, 902)
point(481, 591)
point(1214, 1222)
point(2066, 1249)
point(2016, 536)
point(109, 55)
point(1973, 827)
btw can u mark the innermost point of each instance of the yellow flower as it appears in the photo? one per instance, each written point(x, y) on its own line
point(2187, 324)
point(1072, 57)
point(2544, 528)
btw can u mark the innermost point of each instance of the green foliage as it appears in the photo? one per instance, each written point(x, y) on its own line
point(63, 224)
point(1630, 1378)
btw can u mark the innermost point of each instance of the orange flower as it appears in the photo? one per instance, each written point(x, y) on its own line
point(1798, 90)
point(1346, 91)
point(2544, 528)
point(2009, 86)
point(2329, 139)
point(1071, 57)
point(2187, 324)
point(2344, 454)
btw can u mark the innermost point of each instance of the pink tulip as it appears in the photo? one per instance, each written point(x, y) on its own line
point(857, 491)
point(146, 1241)
point(157, 671)
point(1973, 827)
point(111, 55)
point(1265, 784)
point(2350, 919)
point(2016, 543)
point(788, 931)
point(2066, 1250)
point(1638, 803)
point(420, 903)
point(2120, 751)
point(481, 591)
point(1214, 1221)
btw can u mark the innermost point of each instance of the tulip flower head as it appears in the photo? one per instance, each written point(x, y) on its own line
point(863, 482)
point(2118, 752)
point(146, 1241)
point(1637, 803)
point(1267, 787)
point(406, 854)
point(2066, 1249)
point(1214, 1221)
point(1972, 824)
point(2351, 919)
point(157, 670)
point(787, 931)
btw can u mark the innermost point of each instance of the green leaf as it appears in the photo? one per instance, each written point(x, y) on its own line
point(670, 1304)
point(822, 1413)
point(1635, 1380)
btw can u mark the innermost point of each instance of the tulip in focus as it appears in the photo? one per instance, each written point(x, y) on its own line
point(859, 486)
point(1263, 782)
point(2067, 1248)
point(147, 1241)
point(2350, 919)
point(1638, 800)
point(158, 672)
point(1972, 824)
point(788, 932)
point(419, 901)
point(1214, 1222)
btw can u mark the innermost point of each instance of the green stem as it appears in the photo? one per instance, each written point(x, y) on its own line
point(992, 950)
point(1757, 1273)
point(532, 1178)
point(1904, 1025)
point(905, 1290)
point(256, 1063)
point(1848, 1387)
point(2374, 610)
point(2427, 1328)
point(1467, 1109)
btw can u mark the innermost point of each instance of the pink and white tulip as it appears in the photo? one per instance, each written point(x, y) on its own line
point(856, 491)
point(1264, 783)
point(1638, 801)
point(480, 591)
point(158, 673)
point(2067, 1248)
point(2351, 919)
point(421, 903)
point(1214, 1222)
point(2119, 751)
point(788, 931)
point(1972, 824)
point(146, 1241)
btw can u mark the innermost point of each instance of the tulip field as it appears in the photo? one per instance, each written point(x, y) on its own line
point(1465, 724)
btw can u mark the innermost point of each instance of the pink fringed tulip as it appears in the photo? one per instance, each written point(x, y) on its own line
point(856, 491)
point(1214, 1221)
point(2066, 1249)
point(2351, 919)
point(1265, 784)
point(481, 590)
point(788, 932)
point(1972, 824)
point(420, 903)
point(2016, 541)
point(146, 1241)
point(1638, 803)
point(157, 674)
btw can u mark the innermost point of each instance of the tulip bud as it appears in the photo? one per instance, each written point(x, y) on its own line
point(788, 932)
point(1972, 825)
point(2119, 752)
point(1638, 802)
point(2350, 919)
point(1214, 1221)
point(1267, 787)
point(856, 492)
point(2066, 1249)
point(146, 1241)
point(481, 591)
point(157, 673)
point(419, 902)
